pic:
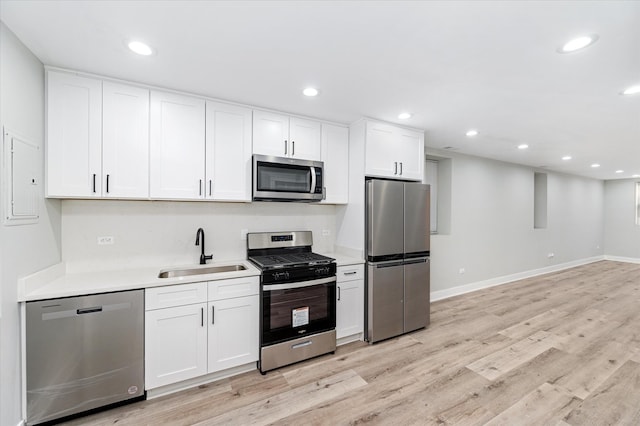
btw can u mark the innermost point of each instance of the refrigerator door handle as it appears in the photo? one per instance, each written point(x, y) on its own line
point(416, 260)
point(386, 264)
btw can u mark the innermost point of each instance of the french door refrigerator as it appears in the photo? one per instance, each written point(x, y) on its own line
point(397, 244)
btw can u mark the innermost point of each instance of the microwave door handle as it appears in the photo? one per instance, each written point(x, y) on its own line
point(313, 180)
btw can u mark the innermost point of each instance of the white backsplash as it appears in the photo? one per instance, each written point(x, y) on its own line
point(163, 233)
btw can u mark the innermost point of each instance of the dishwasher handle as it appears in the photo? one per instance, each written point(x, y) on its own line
point(89, 310)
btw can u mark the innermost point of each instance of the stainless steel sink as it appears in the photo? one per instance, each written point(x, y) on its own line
point(200, 271)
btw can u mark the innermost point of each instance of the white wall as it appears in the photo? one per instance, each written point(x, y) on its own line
point(622, 235)
point(25, 248)
point(492, 232)
point(163, 233)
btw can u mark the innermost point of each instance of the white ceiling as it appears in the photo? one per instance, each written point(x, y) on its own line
point(489, 65)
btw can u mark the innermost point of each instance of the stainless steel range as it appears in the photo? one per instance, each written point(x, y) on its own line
point(298, 298)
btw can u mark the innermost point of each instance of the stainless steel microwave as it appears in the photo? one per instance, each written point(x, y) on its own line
point(287, 179)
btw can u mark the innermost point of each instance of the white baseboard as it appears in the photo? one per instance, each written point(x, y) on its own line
point(350, 339)
point(468, 288)
point(200, 380)
point(622, 259)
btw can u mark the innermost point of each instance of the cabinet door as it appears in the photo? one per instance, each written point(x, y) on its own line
point(381, 152)
point(177, 146)
point(350, 308)
point(74, 132)
point(335, 155)
point(305, 139)
point(175, 344)
point(228, 152)
point(410, 154)
point(270, 134)
point(233, 332)
point(125, 141)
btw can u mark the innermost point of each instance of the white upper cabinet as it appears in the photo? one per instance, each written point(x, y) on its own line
point(270, 134)
point(305, 139)
point(177, 161)
point(394, 152)
point(335, 155)
point(125, 141)
point(228, 152)
point(74, 133)
point(283, 136)
point(411, 154)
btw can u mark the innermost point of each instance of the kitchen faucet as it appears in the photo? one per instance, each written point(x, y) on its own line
point(200, 236)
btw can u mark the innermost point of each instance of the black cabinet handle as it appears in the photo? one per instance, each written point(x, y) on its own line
point(200, 188)
point(107, 184)
point(213, 314)
point(293, 147)
point(400, 168)
point(210, 187)
point(201, 317)
point(94, 183)
point(285, 147)
point(338, 292)
point(395, 167)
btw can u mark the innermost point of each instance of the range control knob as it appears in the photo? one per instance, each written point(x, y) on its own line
point(281, 275)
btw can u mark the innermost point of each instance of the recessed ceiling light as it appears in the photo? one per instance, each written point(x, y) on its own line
point(471, 133)
point(523, 146)
point(566, 158)
point(578, 43)
point(404, 115)
point(619, 171)
point(595, 165)
point(140, 48)
point(310, 91)
point(632, 90)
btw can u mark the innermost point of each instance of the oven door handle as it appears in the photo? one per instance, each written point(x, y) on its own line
point(271, 287)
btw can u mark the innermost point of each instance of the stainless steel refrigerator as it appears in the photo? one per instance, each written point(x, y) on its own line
point(397, 241)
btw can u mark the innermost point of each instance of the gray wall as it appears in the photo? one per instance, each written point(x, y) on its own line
point(622, 235)
point(25, 248)
point(492, 231)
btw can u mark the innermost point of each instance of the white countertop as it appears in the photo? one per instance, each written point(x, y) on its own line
point(56, 281)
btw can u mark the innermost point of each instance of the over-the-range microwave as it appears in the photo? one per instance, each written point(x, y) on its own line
point(287, 179)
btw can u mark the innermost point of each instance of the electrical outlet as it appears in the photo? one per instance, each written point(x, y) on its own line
point(105, 241)
point(326, 232)
point(461, 271)
point(551, 255)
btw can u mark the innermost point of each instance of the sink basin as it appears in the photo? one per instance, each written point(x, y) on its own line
point(200, 271)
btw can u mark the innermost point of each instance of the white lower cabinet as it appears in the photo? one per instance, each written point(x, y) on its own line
point(175, 344)
point(198, 328)
point(233, 332)
point(350, 302)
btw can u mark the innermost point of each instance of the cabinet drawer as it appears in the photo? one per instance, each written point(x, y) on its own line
point(175, 295)
point(235, 287)
point(350, 273)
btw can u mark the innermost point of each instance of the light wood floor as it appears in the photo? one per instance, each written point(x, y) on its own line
point(558, 349)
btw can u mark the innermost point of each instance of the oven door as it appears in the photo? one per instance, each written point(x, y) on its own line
point(297, 309)
point(286, 179)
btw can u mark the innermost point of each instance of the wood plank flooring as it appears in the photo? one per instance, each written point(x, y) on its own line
point(558, 349)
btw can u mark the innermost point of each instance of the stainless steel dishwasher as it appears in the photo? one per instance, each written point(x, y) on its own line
point(83, 353)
